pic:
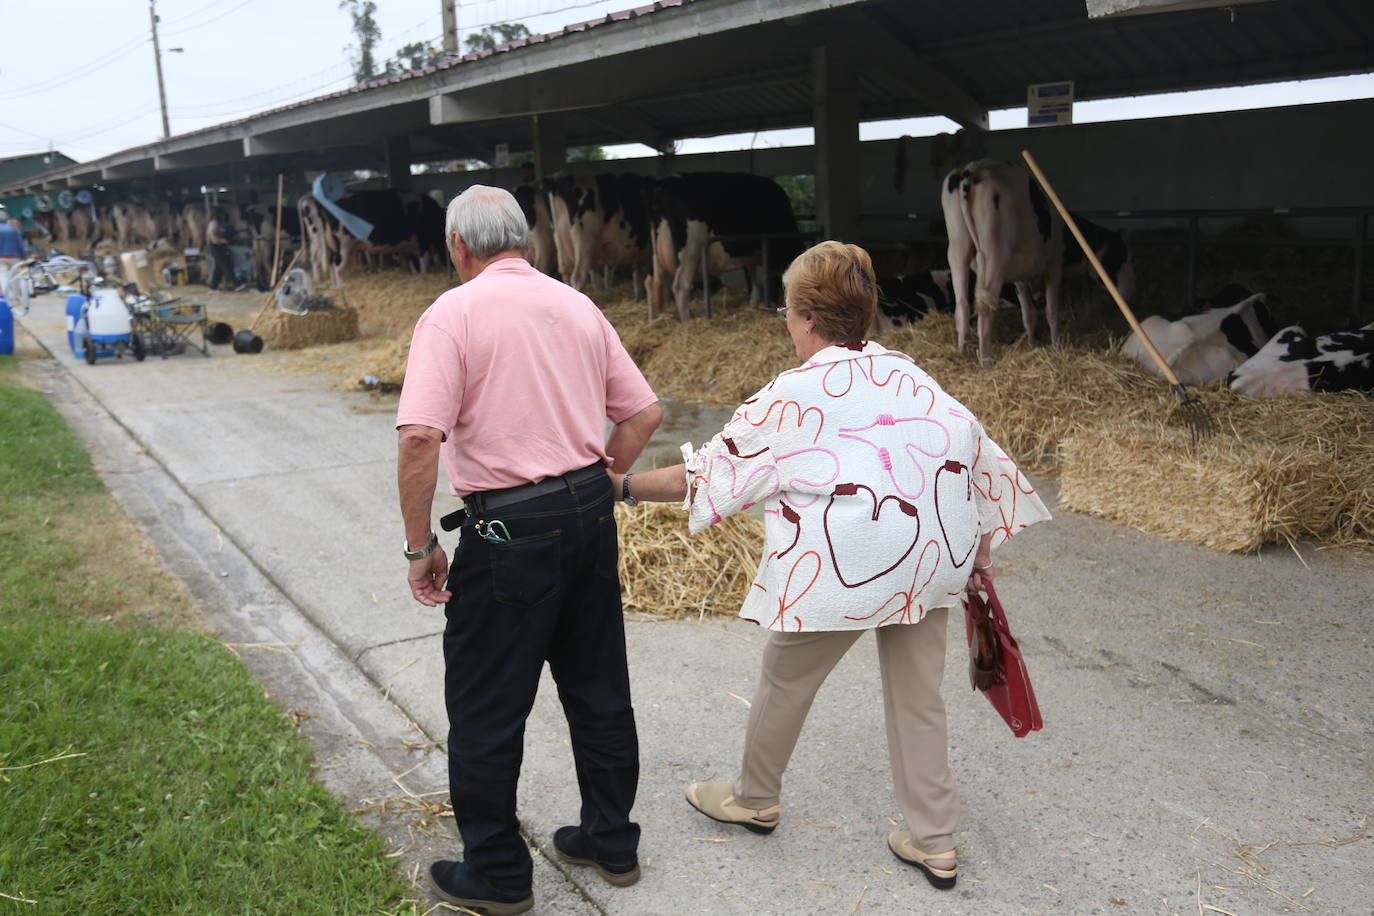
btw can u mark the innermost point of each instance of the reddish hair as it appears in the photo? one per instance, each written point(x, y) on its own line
point(833, 284)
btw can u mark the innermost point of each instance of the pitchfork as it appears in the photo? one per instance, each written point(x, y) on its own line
point(1200, 422)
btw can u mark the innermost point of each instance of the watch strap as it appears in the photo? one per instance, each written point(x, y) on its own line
point(422, 553)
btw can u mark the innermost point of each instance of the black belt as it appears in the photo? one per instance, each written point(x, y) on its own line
point(487, 501)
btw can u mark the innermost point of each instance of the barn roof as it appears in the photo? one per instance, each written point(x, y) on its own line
point(687, 68)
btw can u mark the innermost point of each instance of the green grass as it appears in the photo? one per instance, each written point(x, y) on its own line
point(192, 792)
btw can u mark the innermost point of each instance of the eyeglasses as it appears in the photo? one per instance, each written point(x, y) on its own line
point(782, 312)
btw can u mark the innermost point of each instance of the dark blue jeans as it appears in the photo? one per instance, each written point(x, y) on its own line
point(551, 594)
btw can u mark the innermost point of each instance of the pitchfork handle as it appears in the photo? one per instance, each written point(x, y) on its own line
point(1101, 272)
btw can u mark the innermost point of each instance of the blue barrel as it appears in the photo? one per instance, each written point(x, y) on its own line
point(6, 328)
point(75, 303)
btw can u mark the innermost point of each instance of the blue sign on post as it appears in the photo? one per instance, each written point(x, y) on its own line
point(1049, 103)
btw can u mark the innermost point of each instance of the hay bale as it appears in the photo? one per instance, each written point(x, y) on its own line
point(1224, 493)
point(667, 572)
point(390, 301)
point(284, 331)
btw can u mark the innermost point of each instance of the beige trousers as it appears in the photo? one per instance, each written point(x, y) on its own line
point(912, 661)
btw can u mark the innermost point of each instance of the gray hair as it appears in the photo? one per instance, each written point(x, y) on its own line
point(488, 220)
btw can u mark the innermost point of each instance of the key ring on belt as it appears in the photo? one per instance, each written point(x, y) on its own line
point(493, 531)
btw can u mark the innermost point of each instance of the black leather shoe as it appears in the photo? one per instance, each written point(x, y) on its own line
point(572, 847)
point(456, 882)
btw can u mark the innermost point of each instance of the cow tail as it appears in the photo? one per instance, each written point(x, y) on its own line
point(983, 299)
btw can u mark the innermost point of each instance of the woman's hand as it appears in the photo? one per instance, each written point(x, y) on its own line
point(982, 575)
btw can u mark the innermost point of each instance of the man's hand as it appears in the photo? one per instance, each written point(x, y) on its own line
point(426, 578)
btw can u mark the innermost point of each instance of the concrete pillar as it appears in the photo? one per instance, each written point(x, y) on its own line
point(397, 154)
point(835, 106)
point(550, 145)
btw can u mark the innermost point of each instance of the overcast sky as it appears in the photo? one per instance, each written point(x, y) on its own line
point(78, 75)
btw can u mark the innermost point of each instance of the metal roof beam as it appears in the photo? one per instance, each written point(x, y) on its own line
point(137, 168)
point(881, 46)
point(1098, 9)
point(632, 127)
point(600, 90)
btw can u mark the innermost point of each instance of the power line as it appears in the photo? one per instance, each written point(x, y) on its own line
point(87, 69)
point(201, 25)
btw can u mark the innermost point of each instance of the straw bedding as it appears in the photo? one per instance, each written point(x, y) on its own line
point(665, 571)
point(1300, 466)
point(1226, 493)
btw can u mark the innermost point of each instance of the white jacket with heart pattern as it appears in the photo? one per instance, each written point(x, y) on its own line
point(875, 486)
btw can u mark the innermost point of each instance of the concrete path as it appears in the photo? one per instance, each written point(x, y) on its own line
point(1209, 717)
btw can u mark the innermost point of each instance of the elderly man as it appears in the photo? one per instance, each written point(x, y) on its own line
point(511, 378)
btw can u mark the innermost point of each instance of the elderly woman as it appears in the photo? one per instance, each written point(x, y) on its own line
point(882, 500)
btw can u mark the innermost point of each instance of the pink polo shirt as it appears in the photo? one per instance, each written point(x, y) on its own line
point(520, 373)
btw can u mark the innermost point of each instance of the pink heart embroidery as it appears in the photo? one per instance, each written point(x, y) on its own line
point(873, 550)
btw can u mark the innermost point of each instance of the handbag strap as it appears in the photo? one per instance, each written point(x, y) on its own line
point(985, 645)
point(994, 607)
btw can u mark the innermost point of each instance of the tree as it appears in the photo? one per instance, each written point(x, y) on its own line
point(364, 14)
point(498, 33)
point(801, 191)
point(413, 56)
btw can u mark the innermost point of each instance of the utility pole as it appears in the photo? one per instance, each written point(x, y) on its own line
point(157, 56)
point(450, 8)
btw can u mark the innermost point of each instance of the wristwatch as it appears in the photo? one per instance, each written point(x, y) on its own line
point(625, 496)
point(423, 552)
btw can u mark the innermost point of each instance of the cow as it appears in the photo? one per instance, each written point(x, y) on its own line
point(135, 225)
point(905, 298)
point(1112, 253)
point(687, 210)
point(193, 224)
point(1293, 360)
point(534, 203)
point(262, 231)
point(1204, 347)
point(404, 223)
point(86, 227)
point(999, 220)
point(600, 222)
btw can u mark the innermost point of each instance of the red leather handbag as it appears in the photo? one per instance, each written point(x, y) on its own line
point(995, 665)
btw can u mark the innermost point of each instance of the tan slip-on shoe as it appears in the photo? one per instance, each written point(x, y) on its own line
point(899, 841)
point(717, 801)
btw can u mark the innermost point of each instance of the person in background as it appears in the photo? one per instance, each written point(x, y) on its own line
point(11, 248)
point(218, 235)
point(511, 379)
point(882, 499)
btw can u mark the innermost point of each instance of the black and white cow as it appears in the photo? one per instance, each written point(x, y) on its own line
point(1112, 252)
point(905, 298)
point(1293, 360)
point(534, 203)
point(261, 220)
point(688, 210)
point(1000, 223)
point(600, 222)
point(1205, 346)
point(405, 224)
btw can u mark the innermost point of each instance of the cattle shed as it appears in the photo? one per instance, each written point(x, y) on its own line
point(678, 69)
